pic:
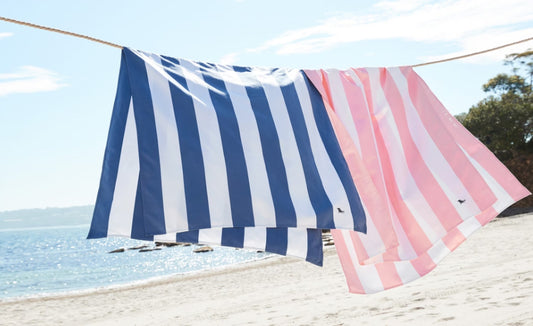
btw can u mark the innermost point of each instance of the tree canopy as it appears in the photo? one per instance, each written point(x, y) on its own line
point(503, 121)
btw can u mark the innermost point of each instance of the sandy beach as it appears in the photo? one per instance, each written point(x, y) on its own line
point(487, 281)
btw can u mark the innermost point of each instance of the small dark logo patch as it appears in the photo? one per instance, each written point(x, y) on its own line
point(340, 210)
point(460, 201)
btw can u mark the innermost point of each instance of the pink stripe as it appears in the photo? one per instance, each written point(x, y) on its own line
point(365, 186)
point(392, 254)
point(453, 239)
point(413, 231)
point(327, 89)
point(374, 203)
point(317, 79)
point(362, 255)
point(348, 266)
point(361, 119)
point(470, 143)
point(424, 179)
point(389, 275)
point(423, 264)
point(432, 120)
point(487, 215)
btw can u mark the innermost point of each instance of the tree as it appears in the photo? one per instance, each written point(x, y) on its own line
point(461, 117)
point(503, 83)
point(504, 120)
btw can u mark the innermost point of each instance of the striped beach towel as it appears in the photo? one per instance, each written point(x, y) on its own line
point(266, 158)
point(216, 150)
point(439, 182)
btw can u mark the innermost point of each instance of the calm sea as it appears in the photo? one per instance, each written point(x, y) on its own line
point(52, 259)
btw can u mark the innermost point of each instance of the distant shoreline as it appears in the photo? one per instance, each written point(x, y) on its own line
point(151, 281)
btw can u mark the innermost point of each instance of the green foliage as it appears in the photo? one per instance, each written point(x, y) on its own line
point(503, 83)
point(461, 117)
point(504, 120)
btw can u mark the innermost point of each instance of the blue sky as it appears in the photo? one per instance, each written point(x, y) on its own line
point(57, 92)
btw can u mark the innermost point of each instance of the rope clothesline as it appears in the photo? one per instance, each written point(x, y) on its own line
point(473, 53)
point(50, 29)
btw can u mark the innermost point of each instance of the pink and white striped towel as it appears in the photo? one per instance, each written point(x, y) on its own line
point(436, 182)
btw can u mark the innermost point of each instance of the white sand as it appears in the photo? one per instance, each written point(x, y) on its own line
point(487, 281)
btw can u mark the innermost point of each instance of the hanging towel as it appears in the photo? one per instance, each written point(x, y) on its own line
point(439, 182)
point(196, 146)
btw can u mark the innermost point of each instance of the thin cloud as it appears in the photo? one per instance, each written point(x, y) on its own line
point(5, 34)
point(457, 21)
point(29, 79)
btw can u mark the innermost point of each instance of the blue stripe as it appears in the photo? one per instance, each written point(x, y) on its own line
point(319, 199)
point(189, 236)
point(150, 176)
point(102, 208)
point(137, 228)
point(315, 254)
point(337, 159)
point(191, 150)
point(236, 170)
point(232, 237)
point(276, 241)
point(277, 175)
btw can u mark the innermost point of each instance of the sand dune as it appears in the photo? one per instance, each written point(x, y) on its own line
point(487, 281)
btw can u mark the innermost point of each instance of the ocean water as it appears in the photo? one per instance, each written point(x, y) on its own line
point(46, 260)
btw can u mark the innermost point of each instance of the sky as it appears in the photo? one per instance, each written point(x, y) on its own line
point(57, 92)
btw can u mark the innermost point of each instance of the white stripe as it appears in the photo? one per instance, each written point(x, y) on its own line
point(123, 204)
point(255, 238)
point(369, 278)
point(330, 179)
point(469, 226)
point(503, 197)
point(297, 242)
point(263, 205)
point(169, 237)
point(212, 236)
point(371, 241)
point(406, 271)
point(436, 162)
point(407, 186)
point(174, 204)
point(305, 213)
point(372, 162)
point(367, 274)
point(212, 151)
point(438, 251)
point(405, 249)
point(340, 103)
